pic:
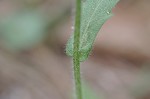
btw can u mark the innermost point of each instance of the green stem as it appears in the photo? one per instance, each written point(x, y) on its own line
point(76, 54)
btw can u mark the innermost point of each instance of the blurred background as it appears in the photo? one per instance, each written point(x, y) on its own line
point(33, 63)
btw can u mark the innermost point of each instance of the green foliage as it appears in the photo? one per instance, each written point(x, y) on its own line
point(22, 30)
point(89, 18)
point(94, 14)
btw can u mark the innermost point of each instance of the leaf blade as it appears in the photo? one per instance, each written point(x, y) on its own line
point(94, 14)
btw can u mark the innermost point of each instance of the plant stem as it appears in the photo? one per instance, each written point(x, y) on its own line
point(76, 54)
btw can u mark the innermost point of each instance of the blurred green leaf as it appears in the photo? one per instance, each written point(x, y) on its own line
point(23, 30)
point(94, 15)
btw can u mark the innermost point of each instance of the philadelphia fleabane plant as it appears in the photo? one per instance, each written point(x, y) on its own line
point(90, 15)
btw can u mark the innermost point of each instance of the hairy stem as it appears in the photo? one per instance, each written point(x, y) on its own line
point(76, 54)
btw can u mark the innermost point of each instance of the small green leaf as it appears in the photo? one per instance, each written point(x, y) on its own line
point(94, 14)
